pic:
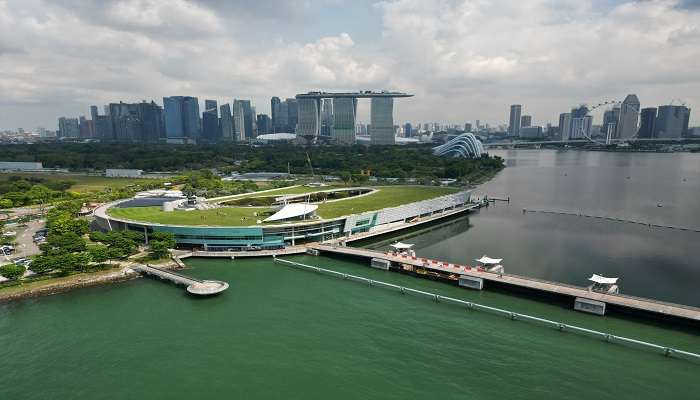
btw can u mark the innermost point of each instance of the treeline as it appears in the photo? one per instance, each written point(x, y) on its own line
point(384, 161)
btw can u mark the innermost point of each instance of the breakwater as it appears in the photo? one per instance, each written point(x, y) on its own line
point(609, 218)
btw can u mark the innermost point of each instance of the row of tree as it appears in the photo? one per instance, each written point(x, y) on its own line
point(384, 161)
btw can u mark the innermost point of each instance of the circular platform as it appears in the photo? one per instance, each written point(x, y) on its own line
point(207, 288)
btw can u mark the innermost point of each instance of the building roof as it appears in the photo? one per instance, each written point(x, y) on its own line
point(360, 94)
point(488, 260)
point(276, 136)
point(603, 280)
point(293, 210)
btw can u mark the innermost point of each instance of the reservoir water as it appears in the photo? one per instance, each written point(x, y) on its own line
point(279, 332)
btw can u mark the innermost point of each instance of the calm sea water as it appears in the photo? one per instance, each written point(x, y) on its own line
point(650, 262)
point(280, 332)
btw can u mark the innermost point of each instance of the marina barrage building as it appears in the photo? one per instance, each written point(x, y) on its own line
point(281, 217)
point(345, 114)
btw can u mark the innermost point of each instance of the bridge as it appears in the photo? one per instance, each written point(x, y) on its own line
point(585, 141)
point(194, 286)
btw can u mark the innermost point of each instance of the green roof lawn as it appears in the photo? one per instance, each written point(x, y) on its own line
point(385, 196)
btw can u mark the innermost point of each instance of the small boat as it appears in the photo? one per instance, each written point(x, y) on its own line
point(659, 205)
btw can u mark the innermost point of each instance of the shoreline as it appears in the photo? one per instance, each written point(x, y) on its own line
point(65, 284)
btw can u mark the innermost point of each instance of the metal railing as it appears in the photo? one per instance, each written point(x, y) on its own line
point(610, 338)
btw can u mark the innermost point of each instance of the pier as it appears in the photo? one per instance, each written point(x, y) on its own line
point(194, 286)
point(604, 217)
point(513, 316)
point(478, 277)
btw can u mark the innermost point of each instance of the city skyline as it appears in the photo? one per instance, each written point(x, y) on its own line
point(65, 56)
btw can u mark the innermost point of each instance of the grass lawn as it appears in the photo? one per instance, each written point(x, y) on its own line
point(84, 183)
point(386, 196)
point(232, 216)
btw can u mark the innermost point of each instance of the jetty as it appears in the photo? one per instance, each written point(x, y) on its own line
point(194, 286)
point(584, 299)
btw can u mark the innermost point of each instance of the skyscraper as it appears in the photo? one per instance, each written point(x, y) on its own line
point(407, 129)
point(525, 120)
point(151, 116)
point(672, 122)
point(565, 126)
point(274, 110)
point(514, 122)
point(172, 111)
point(344, 115)
point(226, 122)
point(68, 127)
point(190, 117)
point(629, 117)
point(238, 120)
point(647, 121)
point(264, 124)
point(382, 120)
point(292, 114)
point(210, 121)
point(93, 113)
point(579, 128)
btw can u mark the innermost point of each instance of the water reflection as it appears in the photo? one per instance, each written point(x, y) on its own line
point(650, 262)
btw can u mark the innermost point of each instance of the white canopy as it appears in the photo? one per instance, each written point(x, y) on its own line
point(603, 280)
point(488, 260)
point(292, 210)
point(401, 246)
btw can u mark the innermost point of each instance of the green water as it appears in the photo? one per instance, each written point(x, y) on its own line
point(279, 332)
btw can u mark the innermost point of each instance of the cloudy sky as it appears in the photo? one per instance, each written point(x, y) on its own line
point(464, 60)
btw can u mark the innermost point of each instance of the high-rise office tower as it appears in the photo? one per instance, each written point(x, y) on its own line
point(181, 114)
point(68, 127)
point(647, 121)
point(172, 112)
point(382, 120)
point(226, 122)
point(93, 113)
point(327, 117)
point(344, 116)
point(629, 117)
point(151, 116)
point(467, 127)
point(292, 114)
point(565, 126)
point(672, 122)
point(514, 121)
point(525, 120)
point(282, 118)
point(190, 115)
point(579, 128)
point(210, 121)
point(407, 129)
point(274, 109)
point(238, 120)
point(264, 124)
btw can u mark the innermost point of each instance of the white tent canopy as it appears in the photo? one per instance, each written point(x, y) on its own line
point(488, 261)
point(293, 210)
point(401, 246)
point(603, 280)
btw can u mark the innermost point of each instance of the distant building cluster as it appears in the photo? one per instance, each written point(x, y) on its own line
point(621, 120)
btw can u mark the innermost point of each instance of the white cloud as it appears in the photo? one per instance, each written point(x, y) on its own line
point(464, 60)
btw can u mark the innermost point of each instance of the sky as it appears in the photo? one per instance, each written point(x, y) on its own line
point(463, 59)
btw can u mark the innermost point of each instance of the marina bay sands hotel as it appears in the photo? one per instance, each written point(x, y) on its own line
point(381, 127)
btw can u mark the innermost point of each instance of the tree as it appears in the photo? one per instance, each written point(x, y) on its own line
point(12, 271)
point(160, 243)
point(99, 253)
point(6, 203)
point(69, 242)
point(45, 263)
